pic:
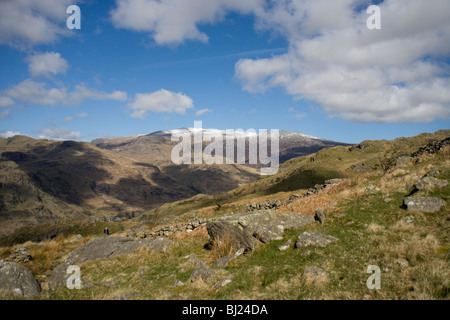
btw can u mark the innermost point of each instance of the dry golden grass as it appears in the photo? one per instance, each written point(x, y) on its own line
point(222, 247)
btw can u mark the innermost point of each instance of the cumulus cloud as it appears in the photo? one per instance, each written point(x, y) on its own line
point(202, 111)
point(58, 134)
point(6, 102)
point(390, 75)
point(160, 101)
point(34, 92)
point(32, 22)
point(48, 63)
point(174, 21)
point(9, 134)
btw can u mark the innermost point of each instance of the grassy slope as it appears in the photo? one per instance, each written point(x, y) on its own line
point(370, 228)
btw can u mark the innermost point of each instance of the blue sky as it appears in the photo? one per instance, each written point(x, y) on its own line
point(136, 67)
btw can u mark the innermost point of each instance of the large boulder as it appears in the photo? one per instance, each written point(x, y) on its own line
point(18, 280)
point(429, 183)
point(246, 230)
point(425, 204)
point(103, 248)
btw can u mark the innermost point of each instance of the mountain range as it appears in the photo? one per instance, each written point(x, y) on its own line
point(46, 181)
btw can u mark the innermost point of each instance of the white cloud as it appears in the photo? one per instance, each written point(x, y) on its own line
point(68, 119)
point(49, 63)
point(9, 134)
point(6, 102)
point(174, 21)
point(81, 93)
point(82, 115)
point(32, 22)
point(395, 74)
point(33, 92)
point(202, 111)
point(58, 134)
point(29, 91)
point(160, 101)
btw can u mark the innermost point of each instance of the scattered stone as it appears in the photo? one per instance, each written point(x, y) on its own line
point(203, 274)
point(371, 189)
point(285, 246)
point(293, 197)
point(21, 255)
point(177, 283)
point(360, 167)
point(402, 263)
point(222, 283)
point(315, 274)
point(223, 261)
point(18, 279)
point(320, 216)
point(194, 262)
point(425, 204)
point(387, 200)
point(246, 230)
point(314, 238)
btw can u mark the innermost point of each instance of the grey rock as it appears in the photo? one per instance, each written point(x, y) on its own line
point(204, 274)
point(314, 238)
point(246, 230)
point(103, 248)
point(18, 279)
point(285, 246)
point(222, 283)
point(177, 283)
point(320, 216)
point(371, 189)
point(315, 274)
point(429, 183)
point(425, 204)
point(194, 261)
point(21, 255)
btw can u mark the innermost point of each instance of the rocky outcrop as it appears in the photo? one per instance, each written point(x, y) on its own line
point(103, 248)
point(425, 204)
point(314, 238)
point(432, 147)
point(429, 183)
point(246, 230)
point(18, 280)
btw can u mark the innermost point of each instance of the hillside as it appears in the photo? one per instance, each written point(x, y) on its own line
point(309, 232)
point(47, 181)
